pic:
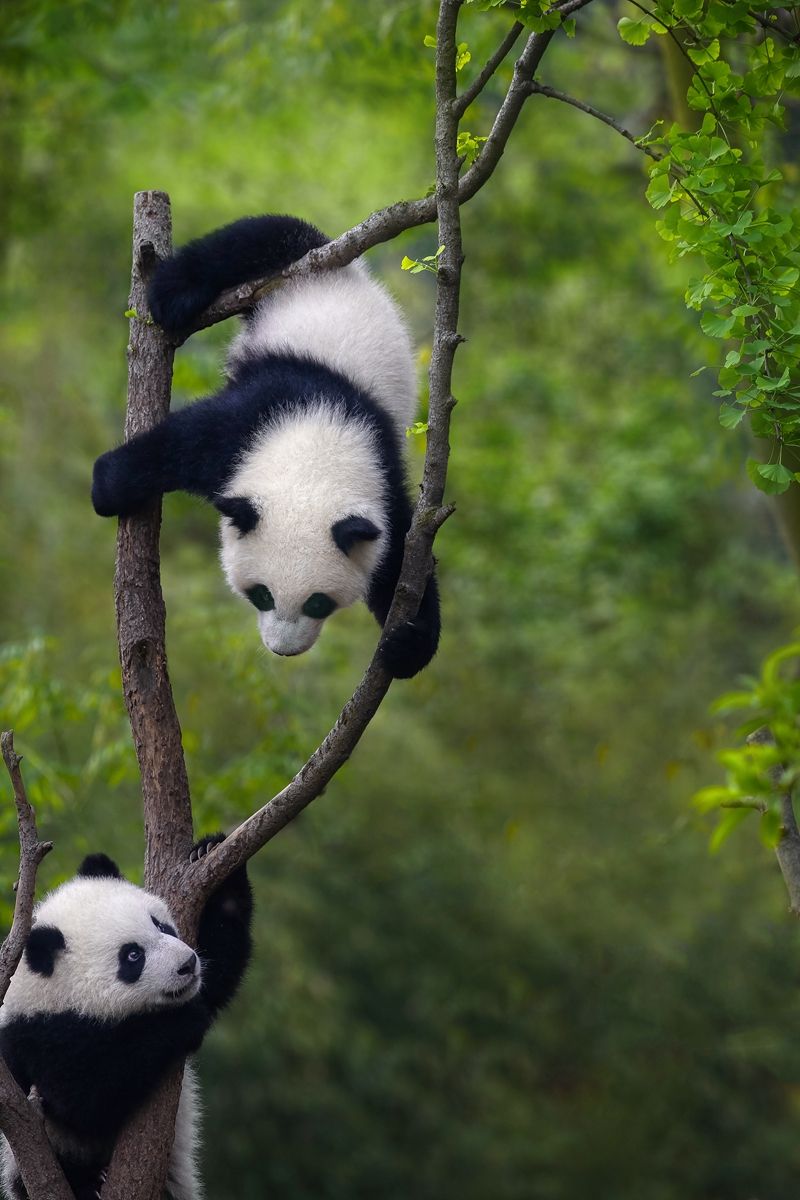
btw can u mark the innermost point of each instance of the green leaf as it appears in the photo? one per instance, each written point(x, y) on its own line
point(716, 324)
point(786, 278)
point(430, 41)
point(660, 190)
point(463, 55)
point(131, 313)
point(730, 415)
point(569, 26)
point(407, 263)
point(772, 478)
point(634, 30)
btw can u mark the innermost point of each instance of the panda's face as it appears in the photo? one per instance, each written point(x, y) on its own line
point(105, 948)
point(295, 585)
point(304, 524)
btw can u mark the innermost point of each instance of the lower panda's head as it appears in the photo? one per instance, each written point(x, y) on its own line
point(102, 947)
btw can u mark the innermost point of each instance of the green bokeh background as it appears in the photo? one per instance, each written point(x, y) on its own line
point(496, 959)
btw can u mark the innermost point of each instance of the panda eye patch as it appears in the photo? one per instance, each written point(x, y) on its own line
point(162, 928)
point(261, 597)
point(319, 606)
point(131, 962)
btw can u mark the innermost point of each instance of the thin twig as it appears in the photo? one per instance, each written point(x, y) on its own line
point(31, 853)
point(541, 89)
point(20, 1121)
point(471, 93)
point(772, 24)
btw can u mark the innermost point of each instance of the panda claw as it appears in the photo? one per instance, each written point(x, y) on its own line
point(205, 846)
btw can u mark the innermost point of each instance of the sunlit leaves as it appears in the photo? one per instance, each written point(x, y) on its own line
point(428, 263)
point(468, 146)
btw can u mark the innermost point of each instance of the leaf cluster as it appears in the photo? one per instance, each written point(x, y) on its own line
point(765, 768)
point(720, 203)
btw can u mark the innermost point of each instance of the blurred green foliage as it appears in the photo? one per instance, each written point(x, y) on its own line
point(495, 958)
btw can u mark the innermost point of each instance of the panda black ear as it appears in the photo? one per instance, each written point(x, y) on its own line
point(99, 866)
point(240, 510)
point(42, 947)
point(348, 532)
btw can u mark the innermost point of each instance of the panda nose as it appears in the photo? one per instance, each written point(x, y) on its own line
point(188, 966)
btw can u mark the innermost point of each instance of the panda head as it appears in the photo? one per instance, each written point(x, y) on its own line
point(304, 523)
point(102, 947)
point(295, 584)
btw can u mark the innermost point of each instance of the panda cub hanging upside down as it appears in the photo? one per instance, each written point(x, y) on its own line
point(301, 451)
point(105, 999)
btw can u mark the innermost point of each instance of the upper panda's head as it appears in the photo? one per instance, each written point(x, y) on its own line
point(304, 523)
point(102, 947)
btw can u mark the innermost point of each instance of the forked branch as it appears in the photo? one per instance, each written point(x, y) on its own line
point(140, 610)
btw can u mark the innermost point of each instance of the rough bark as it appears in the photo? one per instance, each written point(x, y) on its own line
point(141, 616)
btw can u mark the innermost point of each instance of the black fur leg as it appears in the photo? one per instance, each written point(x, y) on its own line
point(184, 285)
point(127, 479)
point(410, 647)
point(223, 940)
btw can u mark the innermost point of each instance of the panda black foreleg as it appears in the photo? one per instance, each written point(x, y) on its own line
point(223, 940)
point(128, 478)
point(182, 286)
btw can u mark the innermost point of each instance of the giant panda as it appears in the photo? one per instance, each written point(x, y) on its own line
point(302, 450)
point(105, 999)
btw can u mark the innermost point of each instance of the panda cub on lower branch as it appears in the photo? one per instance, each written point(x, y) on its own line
point(105, 999)
point(302, 450)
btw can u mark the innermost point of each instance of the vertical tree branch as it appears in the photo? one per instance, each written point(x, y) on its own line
point(20, 1120)
point(141, 631)
point(141, 616)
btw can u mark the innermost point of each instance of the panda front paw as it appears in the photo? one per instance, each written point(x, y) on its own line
point(176, 294)
point(124, 480)
point(408, 648)
point(205, 845)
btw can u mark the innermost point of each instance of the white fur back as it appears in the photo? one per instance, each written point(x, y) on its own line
point(347, 321)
